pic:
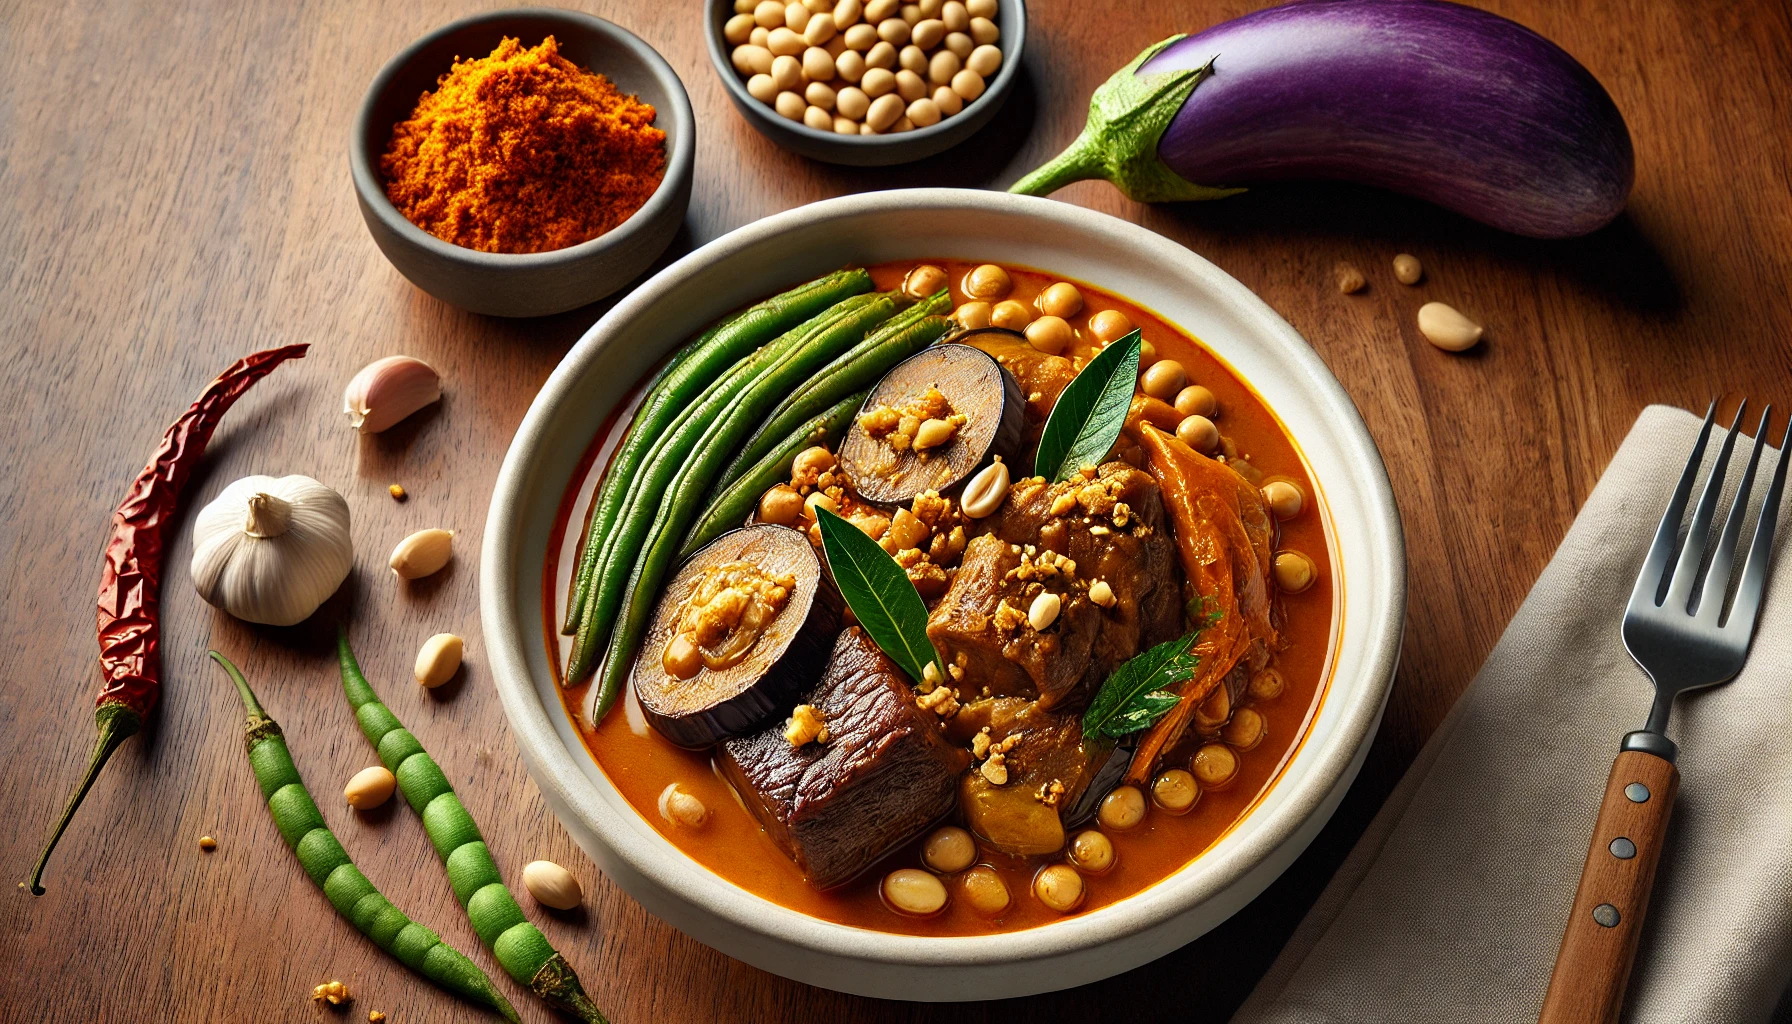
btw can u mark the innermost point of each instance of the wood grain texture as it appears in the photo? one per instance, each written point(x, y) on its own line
point(1612, 903)
point(174, 192)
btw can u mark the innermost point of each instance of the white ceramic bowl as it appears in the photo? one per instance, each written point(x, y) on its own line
point(774, 253)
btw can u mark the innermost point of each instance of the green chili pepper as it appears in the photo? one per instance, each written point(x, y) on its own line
point(669, 458)
point(519, 946)
point(323, 858)
point(684, 497)
point(672, 390)
point(736, 502)
point(904, 335)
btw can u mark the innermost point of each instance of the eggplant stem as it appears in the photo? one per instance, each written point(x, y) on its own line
point(1128, 116)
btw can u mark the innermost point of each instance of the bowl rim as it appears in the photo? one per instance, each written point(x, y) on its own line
point(565, 783)
point(724, 68)
point(681, 147)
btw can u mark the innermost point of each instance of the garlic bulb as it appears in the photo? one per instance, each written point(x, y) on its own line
point(387, 390)
point(271, 550)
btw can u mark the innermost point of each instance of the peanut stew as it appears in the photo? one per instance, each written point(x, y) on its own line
point(761, 729)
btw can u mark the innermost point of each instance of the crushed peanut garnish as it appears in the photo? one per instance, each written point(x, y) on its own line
point(995, 770)
point(898, 427)
point(941, 700)
point(731, 606)
point(333, 992)
point(807, 725)
point(980, 744)
point(1051, 794)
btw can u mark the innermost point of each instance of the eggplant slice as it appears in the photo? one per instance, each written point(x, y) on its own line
point(745, 680)
point(944, 382)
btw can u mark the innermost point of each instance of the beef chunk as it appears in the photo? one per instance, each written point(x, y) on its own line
point(884, 775)
point(1062, 538)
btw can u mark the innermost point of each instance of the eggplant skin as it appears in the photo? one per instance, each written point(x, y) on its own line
point(1434, 100)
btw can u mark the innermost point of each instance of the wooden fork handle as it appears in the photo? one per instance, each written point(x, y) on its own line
point(1599, 945)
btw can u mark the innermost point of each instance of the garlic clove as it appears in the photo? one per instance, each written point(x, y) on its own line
point(422, 553)
point(387, 390)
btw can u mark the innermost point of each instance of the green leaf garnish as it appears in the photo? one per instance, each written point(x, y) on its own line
point(879, 593)
point(1087, 418)
point(1138, 693)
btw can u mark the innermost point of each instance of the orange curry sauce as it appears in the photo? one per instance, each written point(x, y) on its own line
point(732, 844)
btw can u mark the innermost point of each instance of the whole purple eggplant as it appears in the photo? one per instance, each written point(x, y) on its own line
point(1434, 100)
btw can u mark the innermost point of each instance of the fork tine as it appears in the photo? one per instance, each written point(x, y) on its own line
point(1747, 606)
point(1698, 535)
point(1717, 579)
point(1651, 581)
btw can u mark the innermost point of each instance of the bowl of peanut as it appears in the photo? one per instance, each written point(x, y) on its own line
point(867, 82)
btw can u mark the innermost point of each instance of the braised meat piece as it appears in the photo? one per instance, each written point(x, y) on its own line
point(1036, 768)
point(885, 772)
point(1085, 539)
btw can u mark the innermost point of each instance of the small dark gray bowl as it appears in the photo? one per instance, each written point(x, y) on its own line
point(871, 150)
point(525, 284)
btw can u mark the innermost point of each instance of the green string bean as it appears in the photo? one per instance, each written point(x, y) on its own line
point(668, 458)
point(696, 367)
point(736, 502)
point(323, 858)
point(518, 945)
point(902, 336)
point(683, 498)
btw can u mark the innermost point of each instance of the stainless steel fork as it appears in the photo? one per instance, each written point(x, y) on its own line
point(1685, 637)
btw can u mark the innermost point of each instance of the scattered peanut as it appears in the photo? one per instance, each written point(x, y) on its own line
point(987, 282)
point(333, 992)
point(1245, 730)
point(1122, 809)
point(986, 491)
point(1294, 571)
point(1050, 334)
point(1044, 610)
point(1175, 791)
point(1196, 400)
point(781, 505)
point(423, 553)
point(972, 315)
point(438, 660)
point(1198, 432)
point(1407, 269)
point(1267, 685)
point(369, 788)
point(1215, 765)
point(1350, 279)
point(949, 850)
point(1283, 498)
point(397, 492)
point(914, 892)
point(1092, 851)
point(1011, 314)
point(1059, 887)
point(207, 843)
point(682, 808)
point(1110, 325)
point(1446, 328)
point(551, 885)
point(985, 891)
point(1102, 594)
point(1164, 379)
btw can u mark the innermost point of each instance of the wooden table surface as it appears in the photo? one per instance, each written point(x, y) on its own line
point(174, 193)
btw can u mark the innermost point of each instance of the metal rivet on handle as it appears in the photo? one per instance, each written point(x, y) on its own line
point(1637, 793)
point(1605, 915)
point(1623, 849)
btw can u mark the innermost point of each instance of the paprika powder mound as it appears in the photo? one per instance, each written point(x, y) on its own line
point(523, 151)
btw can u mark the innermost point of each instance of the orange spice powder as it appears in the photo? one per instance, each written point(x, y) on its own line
point(523, 151)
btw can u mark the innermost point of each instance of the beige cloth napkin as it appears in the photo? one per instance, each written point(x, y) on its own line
point(1452, 905)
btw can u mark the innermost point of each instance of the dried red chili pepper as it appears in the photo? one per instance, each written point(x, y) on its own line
point(130, 581)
